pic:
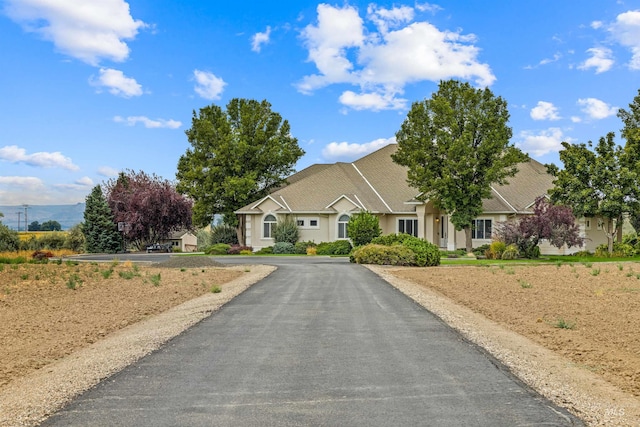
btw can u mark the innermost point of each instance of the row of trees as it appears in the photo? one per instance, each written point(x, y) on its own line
point(50, 225)
point(135, 209)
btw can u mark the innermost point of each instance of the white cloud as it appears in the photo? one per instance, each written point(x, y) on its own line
point(541, 143)
point(15, 154)
point(208, 85)
point(117, 83)
point(346, 151)
point(600, 60)
point(576, 119)
point(259, 39)
point(28, 183)
point(382, 62)
point(372, 101)
point(147, 122)
point(596, 109)
point(626, 30)
point(108, 172)
point(86, 30)
point(545, 111)
point(426, 7)
point(86, 181)
point(596, 25)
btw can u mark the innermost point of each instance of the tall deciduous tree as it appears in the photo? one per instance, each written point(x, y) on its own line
point(50, 225)
point(149, 206)
point(456, 145)
point(236, 156)
point(100, 229)
point(631, 133)
point(597, 183)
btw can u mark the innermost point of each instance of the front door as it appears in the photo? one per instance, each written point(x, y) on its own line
point(444, 227)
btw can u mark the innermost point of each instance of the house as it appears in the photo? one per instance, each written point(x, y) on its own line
point(323, 197)
point(182, 241)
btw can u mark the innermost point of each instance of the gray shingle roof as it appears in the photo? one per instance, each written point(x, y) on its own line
point(379, 185)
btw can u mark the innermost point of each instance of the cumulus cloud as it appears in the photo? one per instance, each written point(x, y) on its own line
point(259, 39)
point(382, 61)
point(545, 111)
point(626, 30)
point(15, 154)
point(117, 83)
point(601, 60)
point(351, 151)
point(147, 122)
point(30, 183)
point(108, 172)
point(86, 30)
point(542, 142)
point(208, 85)
point(80, 184)
point(596, 109)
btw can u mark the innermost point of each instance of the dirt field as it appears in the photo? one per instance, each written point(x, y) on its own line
point(49, 311)
point(587, 313)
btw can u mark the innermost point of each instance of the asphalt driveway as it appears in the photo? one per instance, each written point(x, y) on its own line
point(319, 342)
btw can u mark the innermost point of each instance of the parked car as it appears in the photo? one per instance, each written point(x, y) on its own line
point(157, 247)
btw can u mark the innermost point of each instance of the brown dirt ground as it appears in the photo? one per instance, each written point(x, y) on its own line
point(598, 304)
point(42, 319)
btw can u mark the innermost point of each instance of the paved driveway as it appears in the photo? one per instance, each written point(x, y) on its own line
point(319, 342)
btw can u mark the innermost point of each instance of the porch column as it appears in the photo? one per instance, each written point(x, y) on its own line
point(451, 236)
point(421, 221)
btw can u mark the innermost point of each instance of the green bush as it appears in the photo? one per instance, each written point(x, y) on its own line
point(426, 254)
point(384, 255)
point(301, 247)
point(481, 250)
point(75, 239)
point(495, 250)
point(339, 247)
point(9, 240)
point(286, 230)
point(223, 233)
point(267, 250)
point(619, 250)
point(217, 249)
point(284, 248)
point(363, 227)
point(237, 249)
point(511, 252)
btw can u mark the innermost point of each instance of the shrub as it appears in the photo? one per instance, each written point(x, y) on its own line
point(495, 250)
point(9, 240)
point(301, 247)
point(384, 255)
point(75, 239)
point(223, 233)
point(619, 250)
point(363, 227)
point(311, 251)
point(236, 249)
point(511, 252)
point(217, 249)
point(284, 248)
point(286, 230)
point(481, 250)
point(246, 252)
point(268, 250)
point(426, 254)
point(41, 255)
point(339, 247)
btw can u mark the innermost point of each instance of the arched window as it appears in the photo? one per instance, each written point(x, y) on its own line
point(342, 226)
point(268, 223)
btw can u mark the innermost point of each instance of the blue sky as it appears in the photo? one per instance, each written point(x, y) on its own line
point(88, 89)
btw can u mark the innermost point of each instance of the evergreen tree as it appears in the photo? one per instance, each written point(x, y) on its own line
point(100, 230)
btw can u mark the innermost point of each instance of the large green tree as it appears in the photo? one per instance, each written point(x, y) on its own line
point(631, 133)
point(236, 156)
point(456, 145)
point(100, 229)
point(597, 182)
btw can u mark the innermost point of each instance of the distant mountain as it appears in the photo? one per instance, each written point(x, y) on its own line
point(66, 215)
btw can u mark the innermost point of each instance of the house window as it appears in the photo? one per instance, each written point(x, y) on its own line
point(481, 229)
point(268, 223)
point(342, 227)
point(587, 224)
point(313, 223)
point(408, 226)
point(300, 222)
point(306, 223)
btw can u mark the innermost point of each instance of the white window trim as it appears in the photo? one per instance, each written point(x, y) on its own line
point(307, 222)
point(263, 222)
point(492, 223)
point(338, 222)
point(408, 218)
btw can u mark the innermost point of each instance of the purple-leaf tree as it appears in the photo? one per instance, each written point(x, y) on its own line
point(554, 223)
point(149, 206)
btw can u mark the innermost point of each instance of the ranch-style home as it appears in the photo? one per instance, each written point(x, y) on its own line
point(322, 198)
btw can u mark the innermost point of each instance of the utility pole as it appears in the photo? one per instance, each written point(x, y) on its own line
point(26, 224)
point(19, 213)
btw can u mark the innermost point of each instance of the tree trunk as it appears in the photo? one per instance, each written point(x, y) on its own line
point(610, 235)
point(241, 229)
point(467, 239)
